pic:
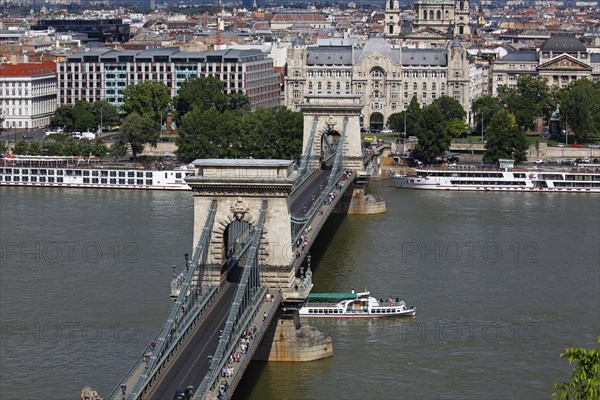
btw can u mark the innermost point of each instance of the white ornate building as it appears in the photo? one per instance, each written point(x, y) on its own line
point(27, 94)
point(387, 78)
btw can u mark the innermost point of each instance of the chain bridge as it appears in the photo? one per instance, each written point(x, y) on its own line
point(254, 224)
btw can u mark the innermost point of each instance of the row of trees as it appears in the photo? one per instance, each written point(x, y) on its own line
point(532, 100)
point(59, 145)
point(505, 119)
point(434, 125)
point(211, 123)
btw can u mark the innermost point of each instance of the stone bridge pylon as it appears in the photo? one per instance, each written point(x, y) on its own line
point(331, 110)
point(239, 187)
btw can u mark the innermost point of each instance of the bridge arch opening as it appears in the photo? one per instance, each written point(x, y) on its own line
point(236, 234)
point(376, 121)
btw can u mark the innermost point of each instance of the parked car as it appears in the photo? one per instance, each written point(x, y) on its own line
point(386, 130)
point(364, 129)
point(568, 161)
point(540, 161)
point(553, 161)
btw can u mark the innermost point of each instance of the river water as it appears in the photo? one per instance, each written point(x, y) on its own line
point(502, 282)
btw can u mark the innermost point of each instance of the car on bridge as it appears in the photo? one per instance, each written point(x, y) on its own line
point(184, 393)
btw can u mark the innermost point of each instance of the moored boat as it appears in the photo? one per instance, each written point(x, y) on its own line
point(582, 179)
point(76, 172)
point(353, 305)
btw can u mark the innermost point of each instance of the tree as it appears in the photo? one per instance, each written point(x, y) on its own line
point(148, 99)
point(580, 108)
point(35, 149)
point(136, 131)
point(118, 149)
point(483, 108)
point(585, 380)
point(433, 134)
point(64, 117)
point(396, 121)
point(21, 147)
point(84, 118)
point(238, 101)
point(3, 148)
point(413, 117)
point(106, 114)
point(450, 108)
point(99, 148)
point(505, 140)
point(529, 100)
point(265, 133)
point(201, 93)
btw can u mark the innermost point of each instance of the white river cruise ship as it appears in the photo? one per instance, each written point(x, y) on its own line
point(580, 179)
point(74, 172)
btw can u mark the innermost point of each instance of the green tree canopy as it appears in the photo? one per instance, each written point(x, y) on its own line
point(484, 107)
point(201, 93)
point(84, 117)
point(21, 147)
point(106, 114)
point(118, 149)
point(580, 108)
point(137, 131)
point(413, 117)
point(505, 140)
point(263, 134)
point(63, 117)
point(530, 99)
point(433, 134)
point(585, 380)
point(148, 99)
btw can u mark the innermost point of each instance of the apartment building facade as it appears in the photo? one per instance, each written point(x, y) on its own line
point(104, 74)
point(28, 94)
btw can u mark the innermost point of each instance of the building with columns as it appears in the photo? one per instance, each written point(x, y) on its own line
point(561, 59)
point(386, 78)
point(436, 22)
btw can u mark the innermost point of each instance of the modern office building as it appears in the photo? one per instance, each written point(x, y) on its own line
point(28, 94)
point(387, 78)
point(104, 74)
point(102, 30)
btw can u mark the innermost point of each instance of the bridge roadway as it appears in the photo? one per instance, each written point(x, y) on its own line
point(191, 362)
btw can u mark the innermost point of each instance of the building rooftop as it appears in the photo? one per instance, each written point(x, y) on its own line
point(329, 55)
point(27, 69)
point(563, 42)
point(521, 55)
point(420, 57)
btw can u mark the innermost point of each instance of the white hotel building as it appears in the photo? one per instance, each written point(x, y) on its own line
point(27, 94)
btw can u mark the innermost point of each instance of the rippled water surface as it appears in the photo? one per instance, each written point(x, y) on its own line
point(503, 282)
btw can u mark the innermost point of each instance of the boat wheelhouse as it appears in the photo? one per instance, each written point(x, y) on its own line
point(353, 305)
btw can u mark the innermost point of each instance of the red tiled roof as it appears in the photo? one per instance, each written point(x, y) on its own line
point(27, 69)
point(299, 18)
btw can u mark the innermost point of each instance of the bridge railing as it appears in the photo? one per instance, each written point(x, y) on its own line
point(308, 150)
point(189, 303)
point(249, 293)
point(299, 224)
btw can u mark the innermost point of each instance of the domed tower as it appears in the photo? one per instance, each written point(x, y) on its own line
point(392, 18)
point(461, 15)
